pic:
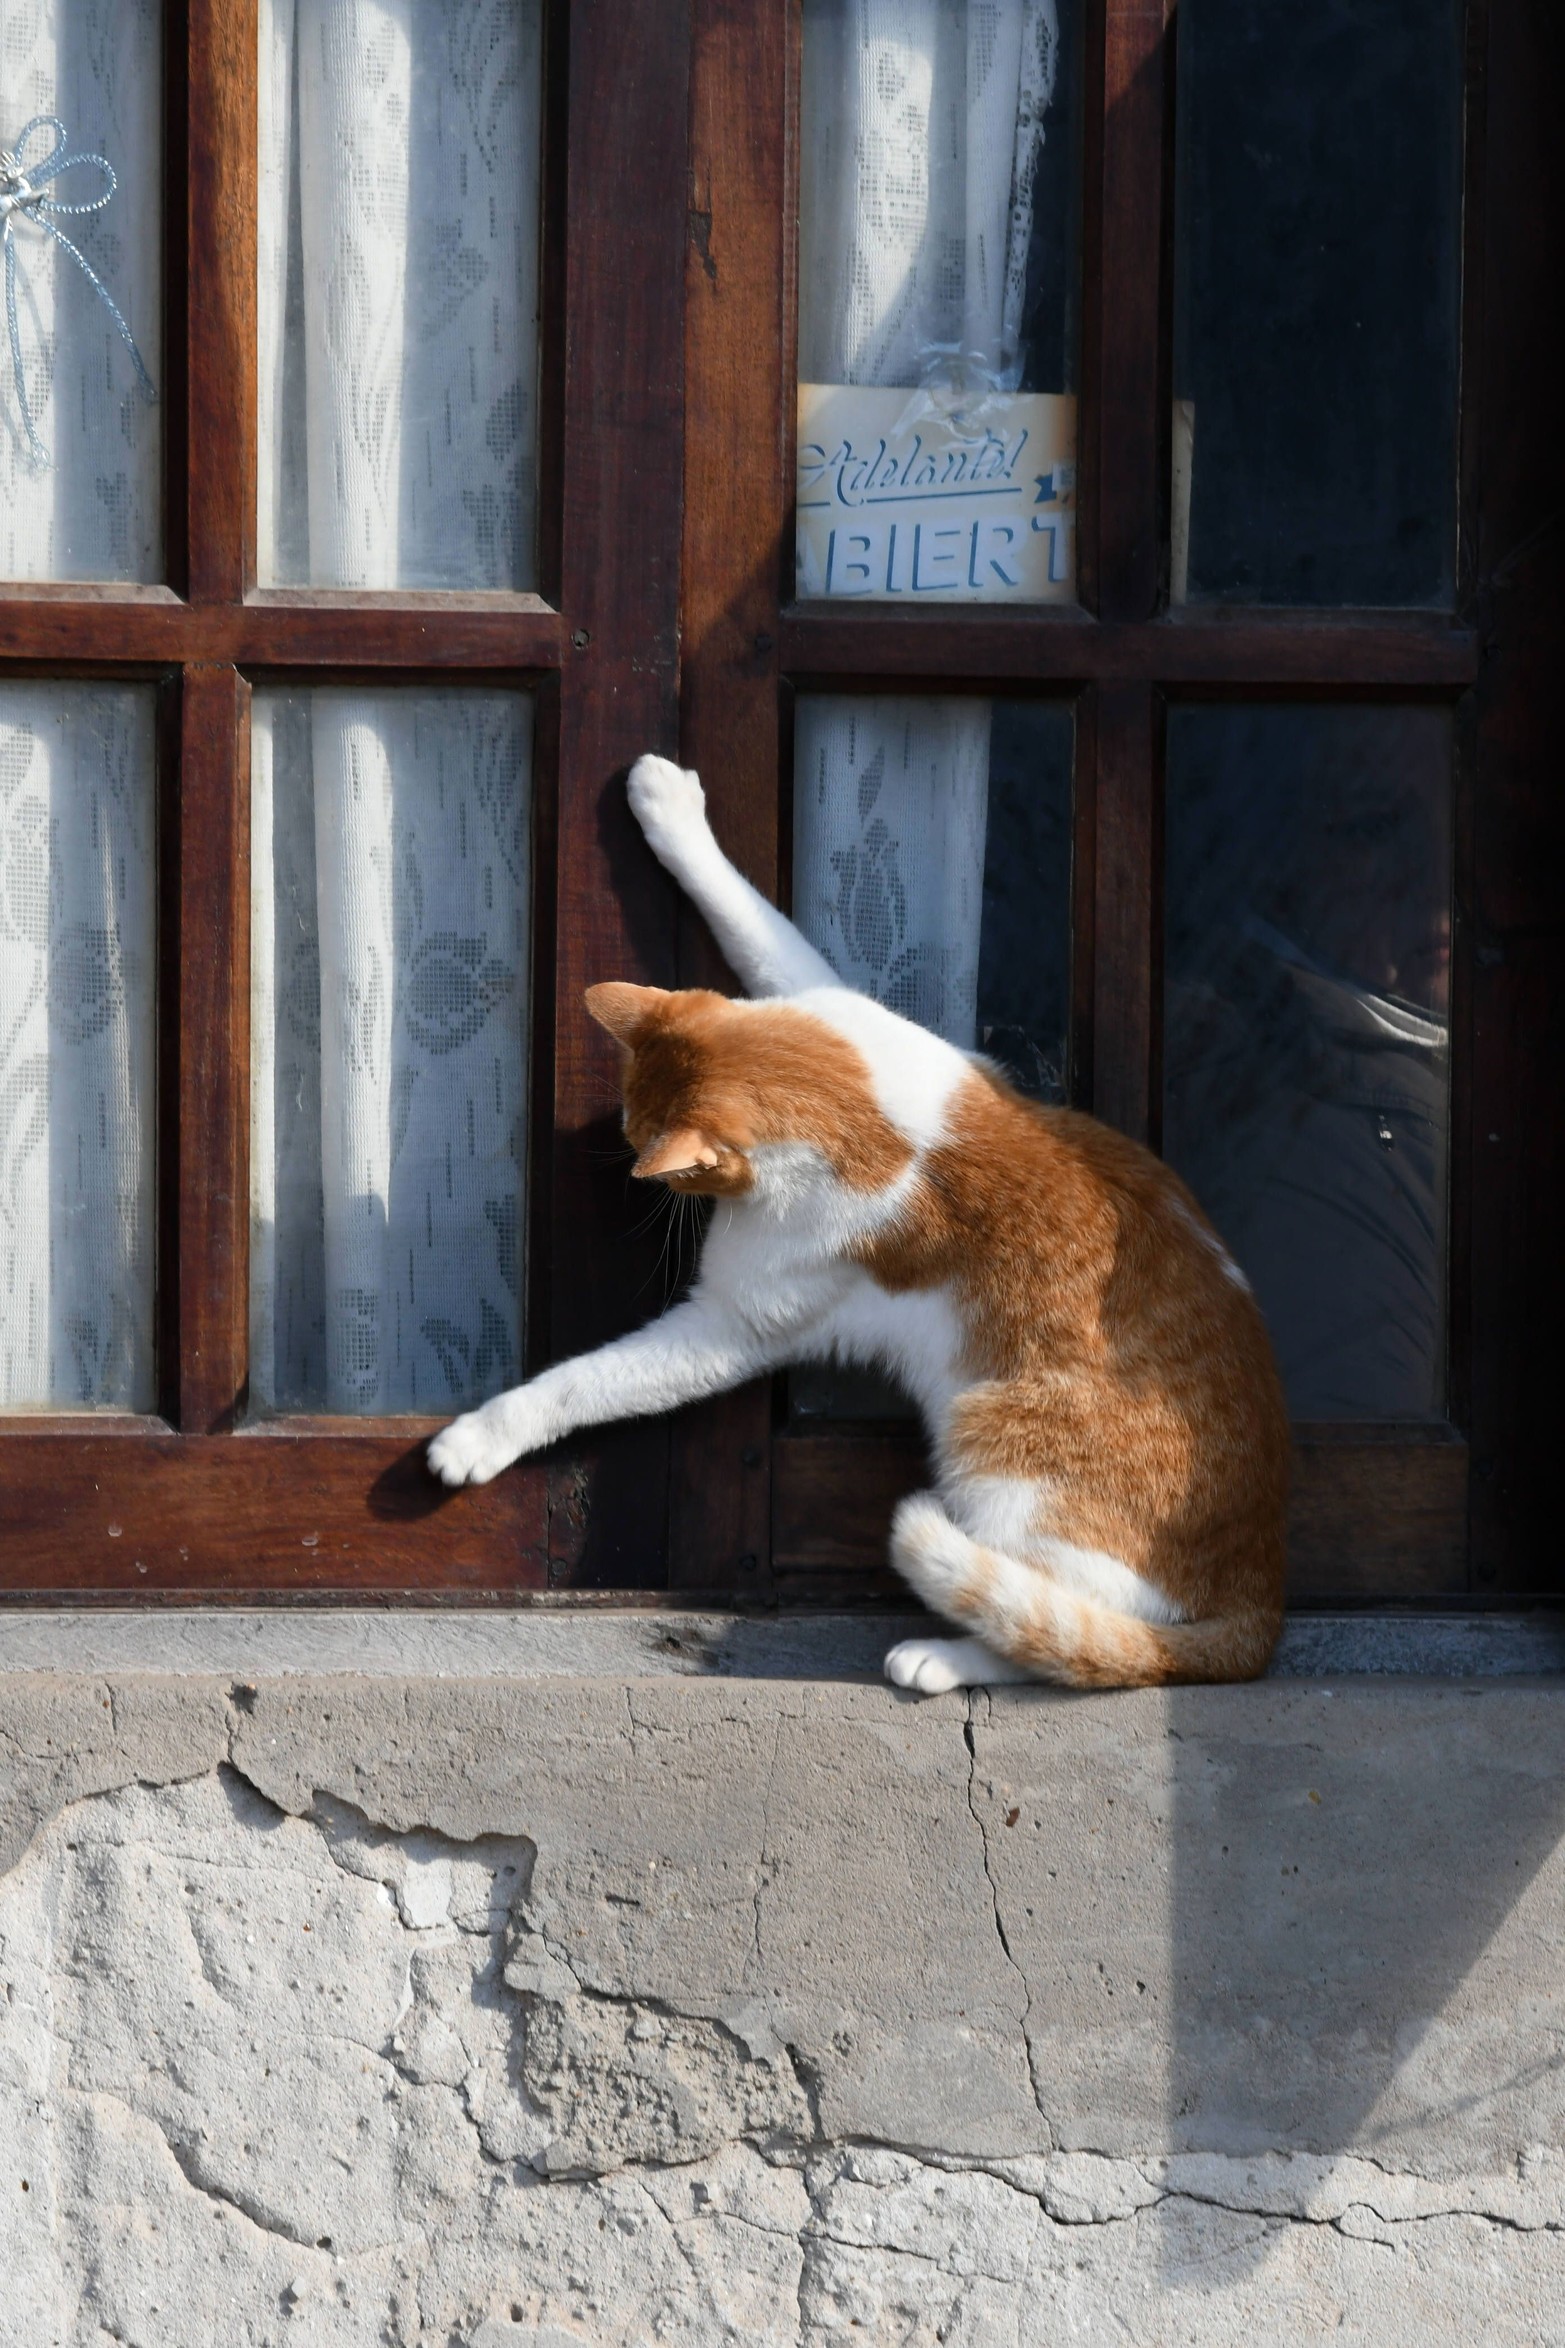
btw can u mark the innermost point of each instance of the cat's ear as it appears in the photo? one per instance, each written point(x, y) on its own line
point(626, 1011)
point(684, 1151)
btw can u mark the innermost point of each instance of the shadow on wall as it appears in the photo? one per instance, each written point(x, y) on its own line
point(1364, 1916)
point(1319, 1918)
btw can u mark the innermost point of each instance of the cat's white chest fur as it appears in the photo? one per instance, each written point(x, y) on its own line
point(783, 1262)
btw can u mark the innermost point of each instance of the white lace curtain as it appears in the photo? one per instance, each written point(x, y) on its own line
point(399, 144)
point(77, 1046)
point(77, 1053)
point(890, 799)
point(390, 871)
point(923, 121)
point(398, 333)
point(94, 510)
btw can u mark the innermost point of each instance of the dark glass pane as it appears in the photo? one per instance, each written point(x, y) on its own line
point(891, 796)
point(1306, 1032)
point(1317, 287)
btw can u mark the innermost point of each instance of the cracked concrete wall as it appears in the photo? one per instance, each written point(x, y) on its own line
point(491, 2014)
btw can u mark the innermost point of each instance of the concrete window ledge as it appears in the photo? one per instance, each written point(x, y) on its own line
point(561, 1980)
point(636, 1643)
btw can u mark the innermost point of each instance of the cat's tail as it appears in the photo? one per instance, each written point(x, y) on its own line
point(1057, 1633)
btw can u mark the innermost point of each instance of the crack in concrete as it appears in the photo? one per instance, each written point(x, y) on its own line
point(182, 2157)
point(766, 1830)
point(970, 1740)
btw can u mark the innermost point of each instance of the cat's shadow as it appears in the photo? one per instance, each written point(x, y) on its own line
point(405, 1491)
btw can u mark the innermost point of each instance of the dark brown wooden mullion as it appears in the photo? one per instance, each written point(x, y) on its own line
point(1475, 141)
point(1516, 948)
point(1417, 652)
point(627, 124)
point(171, 365)
point(1125, 369)
point(739, 373)
point(217, 525)
point(287, 630)
point(1083, 899)
point(1127, 725)
point(555, 120)
point(210, 1019)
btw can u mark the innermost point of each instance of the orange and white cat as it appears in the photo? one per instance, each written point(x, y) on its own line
point(1107, 1427)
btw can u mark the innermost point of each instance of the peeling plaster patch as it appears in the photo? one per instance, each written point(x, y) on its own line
point(265, 2089)
point(693, 2014)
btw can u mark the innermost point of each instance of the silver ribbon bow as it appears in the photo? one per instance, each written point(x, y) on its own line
point(22, 197)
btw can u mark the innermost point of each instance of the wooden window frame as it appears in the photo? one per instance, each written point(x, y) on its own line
point(666, 621)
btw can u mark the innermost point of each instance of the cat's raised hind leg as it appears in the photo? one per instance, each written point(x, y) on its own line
point(765, 952)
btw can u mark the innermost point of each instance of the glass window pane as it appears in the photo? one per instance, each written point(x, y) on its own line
point(77, 1046)
point(938, 248)
point(389, 1018)
point(1306, 1044)
point(932, 867)
point(398, 302)
point(81, 449)
point(1317, 286)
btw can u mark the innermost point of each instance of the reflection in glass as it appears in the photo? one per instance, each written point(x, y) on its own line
point(1318, 215)
point(1306, 1050)
point(389, 979)
point(937, 326)
point(86, 501)
point(398, 292)
point(932, 867)
point(77, 1046)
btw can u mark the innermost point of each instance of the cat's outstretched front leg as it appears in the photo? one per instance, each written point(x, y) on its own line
point(699, 1348)
point(765, 952)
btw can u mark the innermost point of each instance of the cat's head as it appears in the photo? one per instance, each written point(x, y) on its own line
point(712, 1088)
point(690, 1124)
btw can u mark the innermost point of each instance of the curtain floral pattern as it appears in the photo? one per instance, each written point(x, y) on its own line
point(77, 1046)
point(398, 331)
point(390, 862)
point(925, 123)
point(890, 807)
point(400, 144)
point(94, 510)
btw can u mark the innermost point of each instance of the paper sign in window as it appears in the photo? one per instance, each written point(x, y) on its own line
point(934, 496)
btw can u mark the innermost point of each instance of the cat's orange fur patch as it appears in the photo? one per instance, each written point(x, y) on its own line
point(1116, 1359)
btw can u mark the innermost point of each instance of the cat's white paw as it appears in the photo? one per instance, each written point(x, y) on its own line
point(930, 1553)
point(475, 1447)
point(666, 800)
point(930, 1667)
